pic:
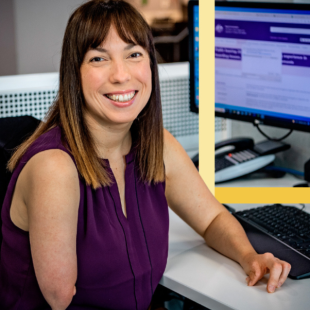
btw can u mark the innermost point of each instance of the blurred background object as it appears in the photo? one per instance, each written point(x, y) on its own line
point(32, 32)
point(168, 20)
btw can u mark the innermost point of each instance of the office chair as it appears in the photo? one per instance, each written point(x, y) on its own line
point(13, 131)
point(163, 296)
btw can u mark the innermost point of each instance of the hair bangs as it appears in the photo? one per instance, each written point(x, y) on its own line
point(94, 29)
point(100, 17)
point(129, 28)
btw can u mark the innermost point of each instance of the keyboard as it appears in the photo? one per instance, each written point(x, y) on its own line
point(281, 230)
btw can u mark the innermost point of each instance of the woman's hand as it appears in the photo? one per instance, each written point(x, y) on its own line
point(257, 265)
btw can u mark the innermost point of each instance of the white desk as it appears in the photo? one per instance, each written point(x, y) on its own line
point(199, 273)
point(255, 181)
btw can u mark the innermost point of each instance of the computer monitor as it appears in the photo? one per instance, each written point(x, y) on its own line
point(193, 27)
point(262, 63)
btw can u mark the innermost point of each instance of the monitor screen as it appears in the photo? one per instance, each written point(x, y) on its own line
point(262, 63)
point(193, 25)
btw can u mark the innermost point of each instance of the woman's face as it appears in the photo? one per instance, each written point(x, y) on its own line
point(116, 81)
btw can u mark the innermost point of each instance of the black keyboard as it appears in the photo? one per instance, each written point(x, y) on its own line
point(281, 230)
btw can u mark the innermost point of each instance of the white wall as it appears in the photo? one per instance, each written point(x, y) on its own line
point(40, 26)
point(7, 38)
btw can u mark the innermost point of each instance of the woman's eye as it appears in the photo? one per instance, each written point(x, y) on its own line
point(96, 59)
point(135, 55)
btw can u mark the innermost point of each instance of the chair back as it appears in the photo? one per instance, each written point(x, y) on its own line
point(13, 131)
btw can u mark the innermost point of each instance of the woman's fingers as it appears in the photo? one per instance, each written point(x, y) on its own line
point(258, 265)
point(285, 271)
point(254, 275)
point(275, 273)
point(279, 271)
point(253, 267)
point(267, 263)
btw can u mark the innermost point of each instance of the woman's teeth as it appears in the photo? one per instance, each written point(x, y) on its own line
point(122, 98)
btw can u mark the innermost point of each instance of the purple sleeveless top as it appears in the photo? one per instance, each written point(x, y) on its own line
point(120, 260)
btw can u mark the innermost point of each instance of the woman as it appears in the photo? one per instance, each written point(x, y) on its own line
point(85, 218)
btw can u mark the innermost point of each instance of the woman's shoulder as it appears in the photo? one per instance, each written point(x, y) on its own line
point(174, 154)
point(172, 146)
point(50, 172)
point(52, 163)
point(47, 155)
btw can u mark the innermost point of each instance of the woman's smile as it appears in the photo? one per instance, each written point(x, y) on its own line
point(122, 99)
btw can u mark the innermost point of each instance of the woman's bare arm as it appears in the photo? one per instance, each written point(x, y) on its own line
point(50, 190)
point(189, 197)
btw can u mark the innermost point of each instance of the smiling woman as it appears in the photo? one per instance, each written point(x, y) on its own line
point(85, 216)
point(84, 232)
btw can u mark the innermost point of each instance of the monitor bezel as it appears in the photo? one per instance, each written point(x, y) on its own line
point(191, 5)
point(268, 120)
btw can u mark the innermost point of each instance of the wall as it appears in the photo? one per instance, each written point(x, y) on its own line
point(7, 38)
point(40, 26)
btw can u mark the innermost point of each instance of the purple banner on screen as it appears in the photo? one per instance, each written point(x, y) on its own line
point(295, 60)
point(261, 31)
point(228, 53)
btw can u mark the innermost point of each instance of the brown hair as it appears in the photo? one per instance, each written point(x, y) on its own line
point(87, 28)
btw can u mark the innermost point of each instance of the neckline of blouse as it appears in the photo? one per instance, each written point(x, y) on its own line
point(129, 157)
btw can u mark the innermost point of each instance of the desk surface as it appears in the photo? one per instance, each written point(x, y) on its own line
point(254, 180)
point(197, 272)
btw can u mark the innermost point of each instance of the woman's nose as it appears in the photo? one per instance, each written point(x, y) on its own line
point(119, 73)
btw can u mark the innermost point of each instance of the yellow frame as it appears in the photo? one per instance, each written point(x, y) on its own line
point(206, 128)
point(206, 78)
